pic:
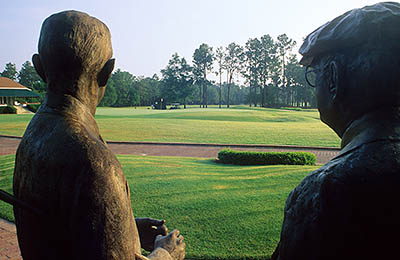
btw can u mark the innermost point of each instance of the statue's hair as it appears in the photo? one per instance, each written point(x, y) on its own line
point(73, 44)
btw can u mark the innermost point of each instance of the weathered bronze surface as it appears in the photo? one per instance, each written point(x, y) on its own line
point(348, 209)
point(63, 166)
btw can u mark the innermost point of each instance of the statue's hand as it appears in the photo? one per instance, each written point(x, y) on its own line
point(149, 229)
point(173, 243)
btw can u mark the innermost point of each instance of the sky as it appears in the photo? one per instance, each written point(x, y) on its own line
point(145, 33)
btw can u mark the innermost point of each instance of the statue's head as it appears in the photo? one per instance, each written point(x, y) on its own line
point(355, 59)
point(74, 51)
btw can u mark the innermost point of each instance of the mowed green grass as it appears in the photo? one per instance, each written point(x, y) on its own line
point(223, 211)
point(238, 125)
point(6, 180)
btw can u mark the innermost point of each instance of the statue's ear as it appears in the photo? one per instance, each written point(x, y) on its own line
point(37, 63)
point(334, 87)
point(105, 73)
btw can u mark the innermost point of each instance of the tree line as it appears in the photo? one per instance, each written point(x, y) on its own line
point(264, 72)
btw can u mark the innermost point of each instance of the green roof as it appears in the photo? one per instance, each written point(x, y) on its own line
point(17, 93)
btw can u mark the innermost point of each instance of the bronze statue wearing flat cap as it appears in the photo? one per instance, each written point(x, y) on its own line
point(63, 167)
point(348, 208)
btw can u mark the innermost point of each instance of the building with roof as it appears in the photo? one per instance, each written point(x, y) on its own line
point(11, 90)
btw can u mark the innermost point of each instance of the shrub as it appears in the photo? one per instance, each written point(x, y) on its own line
point(8, 110)
point(229, 156)
point(33, 107)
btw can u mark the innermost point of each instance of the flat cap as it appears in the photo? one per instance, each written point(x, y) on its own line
point(374, 24)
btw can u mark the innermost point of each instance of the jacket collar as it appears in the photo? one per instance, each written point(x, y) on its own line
point(379, 125)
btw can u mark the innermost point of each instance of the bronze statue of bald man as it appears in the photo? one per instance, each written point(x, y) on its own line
point(63, 166)
point(348, 208)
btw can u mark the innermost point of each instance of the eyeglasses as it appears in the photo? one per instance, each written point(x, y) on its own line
point(310, 76)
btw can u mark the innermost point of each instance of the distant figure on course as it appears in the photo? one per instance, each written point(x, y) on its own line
point(63, 166)
point(349, 208)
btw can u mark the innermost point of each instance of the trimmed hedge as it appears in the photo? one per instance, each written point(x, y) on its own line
point(229, 156)
point(33, 107)
point(8, 110)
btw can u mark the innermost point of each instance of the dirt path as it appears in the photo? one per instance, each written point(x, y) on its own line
point(211, 150)
point(9, 248)
point(8, 145)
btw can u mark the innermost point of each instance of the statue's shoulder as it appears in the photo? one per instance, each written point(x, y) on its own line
point(307, 194)
point(56, 139)
point(312, 182)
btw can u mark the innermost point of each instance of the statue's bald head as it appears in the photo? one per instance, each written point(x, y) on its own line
point(72, 46)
